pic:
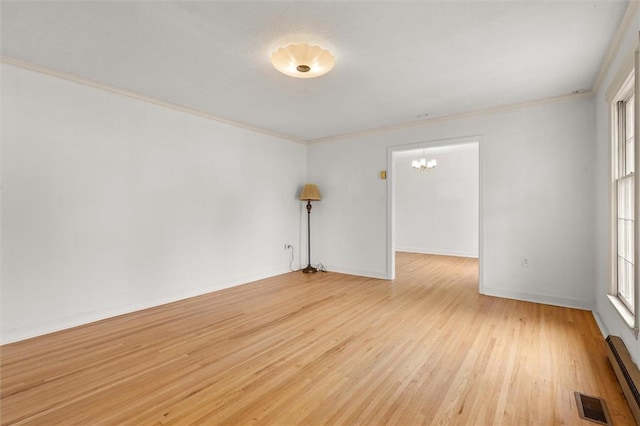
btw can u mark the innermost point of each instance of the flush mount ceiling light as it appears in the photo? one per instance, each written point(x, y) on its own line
point(303, 60)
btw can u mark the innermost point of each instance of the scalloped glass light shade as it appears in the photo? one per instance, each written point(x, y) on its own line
point(303, 60)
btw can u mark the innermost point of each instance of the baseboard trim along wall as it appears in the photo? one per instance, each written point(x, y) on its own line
point(357, 272)
point(587, 305)
point(601, 325)
point(23, 333)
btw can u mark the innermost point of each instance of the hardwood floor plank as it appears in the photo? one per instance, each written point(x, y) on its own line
point(317, 349)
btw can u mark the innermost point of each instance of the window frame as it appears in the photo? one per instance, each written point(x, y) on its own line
point(624, 132)
point(624, 91)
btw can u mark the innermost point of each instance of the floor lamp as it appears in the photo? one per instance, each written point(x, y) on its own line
point(309, 193)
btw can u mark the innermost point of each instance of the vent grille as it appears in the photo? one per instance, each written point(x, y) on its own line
point(593, 409)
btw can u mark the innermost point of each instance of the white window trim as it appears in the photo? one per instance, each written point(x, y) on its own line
point(620, 89)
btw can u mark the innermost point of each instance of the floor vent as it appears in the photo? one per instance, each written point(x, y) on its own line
point(627, 373)
point(592, 409)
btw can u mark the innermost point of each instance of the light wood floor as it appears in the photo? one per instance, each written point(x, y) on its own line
point(320, 349)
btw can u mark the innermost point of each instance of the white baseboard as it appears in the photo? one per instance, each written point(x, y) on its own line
point(456, 253)
point(28, 332)
point(544, 299)
point(358, 272)
point(601, 325)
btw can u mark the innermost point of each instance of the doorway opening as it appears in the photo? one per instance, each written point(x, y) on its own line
point(434, 191)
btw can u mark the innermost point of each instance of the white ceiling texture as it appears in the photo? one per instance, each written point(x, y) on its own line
point(395, 60)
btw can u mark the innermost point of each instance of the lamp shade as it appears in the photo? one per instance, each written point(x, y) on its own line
point(310, 192)
point(303, 60)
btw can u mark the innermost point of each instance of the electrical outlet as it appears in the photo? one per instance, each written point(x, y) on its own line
point(287, 246)
point(525, 262)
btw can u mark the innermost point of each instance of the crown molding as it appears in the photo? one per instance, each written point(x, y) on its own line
point(485, 111)
point(627, 20)
point(192, 111)
point(138, 96)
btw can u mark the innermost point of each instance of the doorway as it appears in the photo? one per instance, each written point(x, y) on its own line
point(437, 210)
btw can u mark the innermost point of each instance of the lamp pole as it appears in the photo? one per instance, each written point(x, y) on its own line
point(309, 268)
point(309, 193)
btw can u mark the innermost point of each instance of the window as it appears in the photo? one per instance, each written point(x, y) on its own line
point(623, 283)
point(625, 179)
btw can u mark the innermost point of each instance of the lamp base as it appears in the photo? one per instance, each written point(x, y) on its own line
point(309, 269)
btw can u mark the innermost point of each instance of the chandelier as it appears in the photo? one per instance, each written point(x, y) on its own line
point(423, 164)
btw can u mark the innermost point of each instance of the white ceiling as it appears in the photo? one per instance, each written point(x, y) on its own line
point(395, 60)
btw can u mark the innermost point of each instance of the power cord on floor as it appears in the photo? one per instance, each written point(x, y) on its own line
point(320, 267)
point(291, 261)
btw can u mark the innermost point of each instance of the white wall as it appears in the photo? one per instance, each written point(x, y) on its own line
point(111, 204)
point(537, 199)
point(436, 211)
point(609, 319)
